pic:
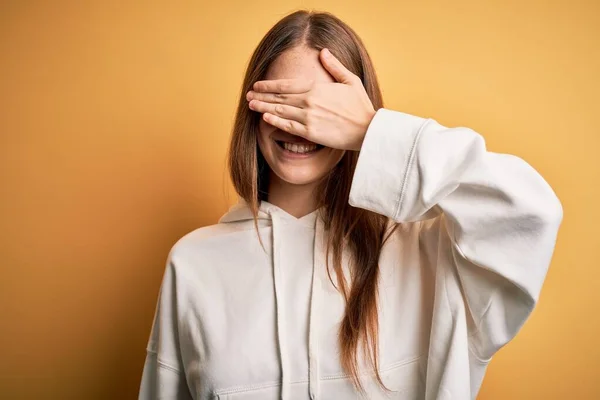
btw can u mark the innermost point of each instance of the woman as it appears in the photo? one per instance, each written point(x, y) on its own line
point(371, 253)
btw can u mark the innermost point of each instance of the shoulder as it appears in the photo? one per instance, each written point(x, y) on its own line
point(211, 238)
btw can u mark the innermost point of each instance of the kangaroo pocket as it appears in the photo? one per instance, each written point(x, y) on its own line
point(404, 380)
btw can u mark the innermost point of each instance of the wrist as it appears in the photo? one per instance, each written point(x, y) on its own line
point(369, 118)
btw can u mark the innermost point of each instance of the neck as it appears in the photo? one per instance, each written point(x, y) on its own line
point(296, 200)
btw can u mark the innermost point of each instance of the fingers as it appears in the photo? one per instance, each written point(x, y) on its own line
point(334, 66)
point(277, 98)
point(283, 86)
point(287, 125)
point(279, 110)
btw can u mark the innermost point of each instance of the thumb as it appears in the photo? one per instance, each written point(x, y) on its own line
point(340, 73)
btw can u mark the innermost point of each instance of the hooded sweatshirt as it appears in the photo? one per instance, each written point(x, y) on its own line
point(458, 278)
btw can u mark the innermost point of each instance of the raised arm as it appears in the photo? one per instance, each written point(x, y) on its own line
point(500, 215)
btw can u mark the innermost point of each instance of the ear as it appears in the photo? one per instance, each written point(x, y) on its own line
point(340, 73)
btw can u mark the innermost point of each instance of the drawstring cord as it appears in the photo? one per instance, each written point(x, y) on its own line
point(280, 315)
point(313, 342)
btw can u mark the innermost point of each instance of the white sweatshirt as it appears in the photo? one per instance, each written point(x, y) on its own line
point(459, 277)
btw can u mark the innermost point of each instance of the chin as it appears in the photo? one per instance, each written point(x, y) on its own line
point(295, 175)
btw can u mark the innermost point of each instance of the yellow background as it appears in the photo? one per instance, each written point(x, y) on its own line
point(114, 123)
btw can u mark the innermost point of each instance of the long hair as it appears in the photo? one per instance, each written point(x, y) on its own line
point(361, 232)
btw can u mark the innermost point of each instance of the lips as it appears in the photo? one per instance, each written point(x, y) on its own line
point(281, 138)
point(280, 143)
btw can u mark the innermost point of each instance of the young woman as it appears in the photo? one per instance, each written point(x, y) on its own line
point(372, 253)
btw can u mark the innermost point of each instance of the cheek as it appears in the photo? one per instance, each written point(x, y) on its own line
point(263, 135)
point(337, 157)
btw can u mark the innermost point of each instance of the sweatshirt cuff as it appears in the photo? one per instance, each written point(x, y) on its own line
point(384, 162)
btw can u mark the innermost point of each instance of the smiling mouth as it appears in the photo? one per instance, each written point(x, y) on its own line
point(299, 148)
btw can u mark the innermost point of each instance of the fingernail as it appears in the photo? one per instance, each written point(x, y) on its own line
point(326, 53)
point(249, 95)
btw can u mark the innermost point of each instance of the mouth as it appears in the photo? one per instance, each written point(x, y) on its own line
point(299, 148)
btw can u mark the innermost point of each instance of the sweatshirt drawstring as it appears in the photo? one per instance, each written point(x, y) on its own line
point(313, 332)
point(280, 312)
point(313, 350)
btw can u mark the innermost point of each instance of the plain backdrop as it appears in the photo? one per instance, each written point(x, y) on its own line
point(115, 118)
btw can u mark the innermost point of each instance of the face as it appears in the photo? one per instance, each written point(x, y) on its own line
point(290, 163)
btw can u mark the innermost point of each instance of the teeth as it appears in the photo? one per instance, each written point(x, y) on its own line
point(299, 148)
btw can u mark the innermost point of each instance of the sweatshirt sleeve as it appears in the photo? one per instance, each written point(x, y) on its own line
point(501, 216)
point(163, 375)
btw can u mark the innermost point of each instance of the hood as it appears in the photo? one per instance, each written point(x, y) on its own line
point(241, 211)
